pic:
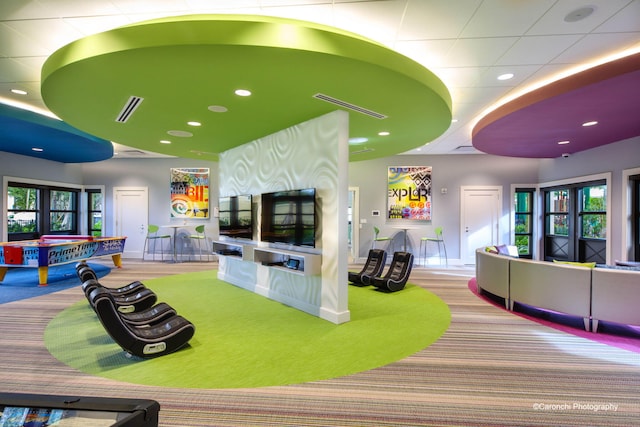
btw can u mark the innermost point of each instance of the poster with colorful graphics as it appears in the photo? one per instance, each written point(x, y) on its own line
point(409, 193)
point(190, 193)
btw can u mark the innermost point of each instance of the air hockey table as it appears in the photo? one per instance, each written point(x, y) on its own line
point(57, 249)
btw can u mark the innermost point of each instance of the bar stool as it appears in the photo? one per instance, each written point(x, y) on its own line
point(377, 238)
point(200, 237)
point(153, 236)
point(438, 240)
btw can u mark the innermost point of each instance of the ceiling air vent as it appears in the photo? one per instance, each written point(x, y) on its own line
point(129, 108)
point(345, 104)
point(133, 153)
point(465, 149)
point(364, 150)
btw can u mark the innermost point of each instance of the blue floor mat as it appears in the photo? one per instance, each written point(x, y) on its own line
point(22, 283)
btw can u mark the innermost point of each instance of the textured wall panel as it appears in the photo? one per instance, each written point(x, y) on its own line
point(310, 154)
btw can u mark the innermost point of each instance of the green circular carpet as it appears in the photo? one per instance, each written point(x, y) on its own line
point(245, 340)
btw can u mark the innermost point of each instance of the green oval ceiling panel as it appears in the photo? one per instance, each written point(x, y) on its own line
point(136, 83)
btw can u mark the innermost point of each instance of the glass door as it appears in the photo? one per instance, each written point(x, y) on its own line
point(592, 214)
point(557, 243)
point(523, 206)
point(576, 223)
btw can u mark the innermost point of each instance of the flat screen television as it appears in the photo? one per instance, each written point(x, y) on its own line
point(235, 217)
point(289, 217)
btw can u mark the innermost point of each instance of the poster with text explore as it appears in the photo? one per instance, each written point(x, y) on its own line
point(409, 193)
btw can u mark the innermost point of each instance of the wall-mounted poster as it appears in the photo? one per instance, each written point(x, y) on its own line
point(409, 192)
point(189, 192)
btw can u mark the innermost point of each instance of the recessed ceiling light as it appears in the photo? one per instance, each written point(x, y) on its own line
point(592, 123)
point(454, 120)
point(218, 108)
point(384, 133)
point(19, 91)
point(242, 92)
point(165, 141)
point(505, 76)
point(563, 142)
point(38, 149)
point(180, 133)
point(358, 140)
point(194, 123)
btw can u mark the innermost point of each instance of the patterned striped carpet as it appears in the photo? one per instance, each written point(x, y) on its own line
point(490, 368)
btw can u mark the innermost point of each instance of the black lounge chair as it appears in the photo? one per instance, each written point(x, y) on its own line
point(142, 317)
point(398, 273)
point(138, 299)
point(149, 317)
point(145, 342)
point(373, 267)
point(85, 273)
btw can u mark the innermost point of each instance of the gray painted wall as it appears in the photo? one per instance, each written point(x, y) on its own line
point(450, 171)
point(153, 174)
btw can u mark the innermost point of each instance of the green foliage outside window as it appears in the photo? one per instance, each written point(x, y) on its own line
point(594, 223)
point(522, 243)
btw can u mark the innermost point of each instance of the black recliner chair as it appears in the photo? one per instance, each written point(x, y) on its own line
point(151, 341)
point(142, 317)
point(85, 272)
point(373, 267)
point(398, 273)
point(135, 300)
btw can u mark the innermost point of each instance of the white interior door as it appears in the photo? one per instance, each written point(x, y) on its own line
point(480, 219)
point(131, 206)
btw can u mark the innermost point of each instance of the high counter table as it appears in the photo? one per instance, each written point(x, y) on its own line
point(56, 250)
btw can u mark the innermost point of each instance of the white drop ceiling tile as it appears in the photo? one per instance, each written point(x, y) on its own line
point(13, 43)
point(33, 62)
point(481, 96)
point(467, 110)
point(319, 14)
point(520, 72)
point(218, 4)
point(479, 52)
point(50, 34)
point(499, 18)
point(21, 9)
point(10, 70)
point(19, 70)
point(269, 3)
point(436, 19)
point(71, 8)
point(98, 24)
point(32, 88)
point(146, 6)
point(459, 77)
point(595, 46)
point(544, 75)
point(31, 101)
point(430, 53)
point(151, 14)
point(448, 142)
point(553, 21)
point(627, 19)
point(376, 20)
point(537, 49)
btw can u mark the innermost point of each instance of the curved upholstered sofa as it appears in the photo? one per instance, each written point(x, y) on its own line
point(595, 294)
point(615, 296)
